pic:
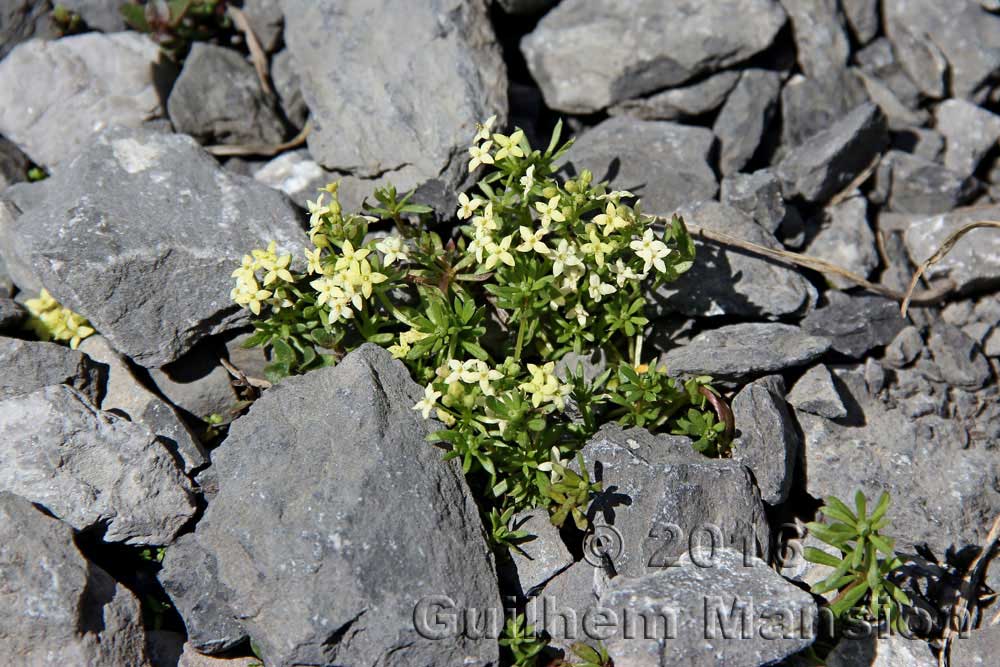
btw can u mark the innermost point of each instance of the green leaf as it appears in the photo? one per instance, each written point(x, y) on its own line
point(135, 16)
point(814, 555)
point(880, 508)
point(283, 352)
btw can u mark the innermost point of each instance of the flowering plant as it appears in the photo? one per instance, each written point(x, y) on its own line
point(51, 321)
point(483, 313)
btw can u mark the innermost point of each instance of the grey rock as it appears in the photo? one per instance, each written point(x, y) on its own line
point(816, 393)
point(904, 348)
point(875, 376)
point(970, 131)
point(378, 122)
point(898, 114)
point(218, 99)
point(11, 314)
point(138, 233)
point(958, 357)
point(316, 573)
point(766, 441)
point(92, 469)
point(663, 163)
point(6, 284)
point(125, 396)
point(740, 351)
point(544, 556)
point(103, 15)
point(878, 60)
point(736, 612)
point(862, 17)
point(663, 499)
point(561, 608)
point(266, 18)
point(60, 608)
point(13, 164)
point(991, 346)
point(828, 161)
point(197, 383)
point(977, 649)
point(298, 176)
point(251, 361)
point(681, 102)
point(855, 324)
point(890, 651)
point(582, 63)
point(942, 494)
point(809, 106)
point(191, 575)
point(758, 195)
point(821, 43)
point(919, 186)
point(846, 239)
point(745, 117)
point(288, 85)
point(729, 282)
point(973, 260)
point(21, 20)
point(922, 142)
point(30, 365)
point(966, 37)
point(71, 88)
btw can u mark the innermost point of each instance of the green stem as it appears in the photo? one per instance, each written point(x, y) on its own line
point(520, 340)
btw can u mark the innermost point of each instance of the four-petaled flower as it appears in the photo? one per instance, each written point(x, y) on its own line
point(579, 313)
point(467, 206)
point(550, 211)
point(315, 264)
point(499, 252)
point(479, 371)
point(509, 146)
point(392, 247)
point(564, 256)
point(611, 219)
point(428, 402)
point(598, 290)
point(532, 240)
point(480, 155)
point(651, 251)
point(596, 247)
point(483, 130)
point(328, 290)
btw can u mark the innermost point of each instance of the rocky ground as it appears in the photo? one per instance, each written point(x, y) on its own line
point(861, 132)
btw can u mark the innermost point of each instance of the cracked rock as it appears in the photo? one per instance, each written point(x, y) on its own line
point(137, 234)
point(816, 393)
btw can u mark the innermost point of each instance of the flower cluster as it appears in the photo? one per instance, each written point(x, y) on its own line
point(536, 265)
point(50, 321)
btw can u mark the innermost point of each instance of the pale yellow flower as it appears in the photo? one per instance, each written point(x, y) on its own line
point(564, 256)
point(509, 146)
point(597, 289)
point(484, 129)
point(392, 247)
point(651, 251)
point(499, 252)
point(550, 211)
point(467, 206)
point(480, 155)
point(532, 240)
point(428, 402)
point(596, 247)
point(611, 220)
point(528, 180)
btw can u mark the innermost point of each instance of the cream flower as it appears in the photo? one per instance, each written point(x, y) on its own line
point(579, 314)
point(624, 274)
point(528, 180)
point(550, 211)
point(483, 130)
point(509, 146)
point(467, 206)
point(597, 289)
point(480, 155)
point(481, 372)
point(651, 251)
point(392, 247)
point(596, 247)
point(428, 402)
point(611, 219)
point(532, 240)
point(327, 289)
point(564, 256)
point(499, 252)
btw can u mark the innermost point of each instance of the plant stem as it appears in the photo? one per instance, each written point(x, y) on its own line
point(520, 340)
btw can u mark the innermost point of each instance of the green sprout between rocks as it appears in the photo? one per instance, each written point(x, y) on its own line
point(522, 641)
point(860, 576)
point(481, 309)
point(174, 24)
